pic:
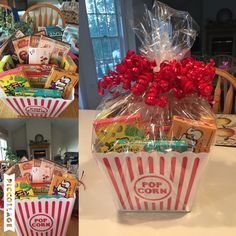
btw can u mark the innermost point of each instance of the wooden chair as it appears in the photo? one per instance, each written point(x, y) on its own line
point(44, 14)
point(6, 7)
point(228, 105)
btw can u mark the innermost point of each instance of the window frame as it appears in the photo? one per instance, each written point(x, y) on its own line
point(119, 37)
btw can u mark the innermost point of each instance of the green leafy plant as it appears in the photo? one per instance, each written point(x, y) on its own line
point(10, 156)
point(8, 25)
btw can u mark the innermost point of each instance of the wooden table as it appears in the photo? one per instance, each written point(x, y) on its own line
point(213, 214)
point(72, 229)
point(70, 112)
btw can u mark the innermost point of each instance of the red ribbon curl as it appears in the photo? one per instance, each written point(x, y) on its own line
point(136, 73)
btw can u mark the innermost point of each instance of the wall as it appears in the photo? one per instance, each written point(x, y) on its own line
point(57, 140)
point(38, 126)
point(64, 136)
point(211, 7)
point(19, 139)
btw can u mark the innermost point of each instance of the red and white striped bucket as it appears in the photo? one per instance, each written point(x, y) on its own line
point(44, 217)
point(153, 181)
point(37, 106)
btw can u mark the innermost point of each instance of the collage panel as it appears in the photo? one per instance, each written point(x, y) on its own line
point(157, 123)
point(39, 110)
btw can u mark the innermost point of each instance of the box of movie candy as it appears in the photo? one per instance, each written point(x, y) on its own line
point(154, 129)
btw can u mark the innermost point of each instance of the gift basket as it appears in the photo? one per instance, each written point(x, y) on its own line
point(154, 129)
point(45, 197)
point(37, 73)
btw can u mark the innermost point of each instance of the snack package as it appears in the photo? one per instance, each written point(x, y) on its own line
point(11, 79)
point(68, 64)
point(6, 63)
point(38, 92)
point(40, 33)
point(155, 127)
point(46, 42)
point(60, 49)
point(40, 189)
point(62, 80)
point(39, 56)
point(37, 74)
point(54, 32)
point(23, 188)
point(26, 169)
point(14, 170)
point(34, 41)
point(64, 186)
point(56, 169)
point(21, 46)
point(8, 48)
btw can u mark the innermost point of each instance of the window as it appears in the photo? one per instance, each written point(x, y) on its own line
point(105, 33)
point(3, 145)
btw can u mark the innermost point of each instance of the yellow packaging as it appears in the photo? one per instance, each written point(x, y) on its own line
point(62, 80)
point(198, 134)
point(23, 188)
point(11, 79)
point(64, 186)
point(68, 64)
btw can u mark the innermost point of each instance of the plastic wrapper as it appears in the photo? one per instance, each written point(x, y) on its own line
point(154, 130)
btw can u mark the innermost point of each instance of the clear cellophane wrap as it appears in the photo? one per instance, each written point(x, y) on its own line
point(156, 108)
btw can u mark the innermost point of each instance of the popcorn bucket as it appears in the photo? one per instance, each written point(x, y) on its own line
point(153, 181)
point(37, 106)
point(43, 217)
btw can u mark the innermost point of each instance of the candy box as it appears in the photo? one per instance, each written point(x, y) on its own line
point(8, 49)
point(34, 41)
point(11, 79)
point(26, 169)
point(49, 216)
point(21, 46)
point(110, 130)
point(39, 55)
point(6, 63)
point(68, 64)
point(60, 49)
point(23, 188)
point(40, 189)
point(64, 186)
point(50, 168)
point(37, 74)
point(54, 32)
point(46, 42)
point(38, 92)
point(62, 80)
point(199, 135)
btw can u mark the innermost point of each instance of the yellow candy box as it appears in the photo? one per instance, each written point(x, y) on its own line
point(11, 79)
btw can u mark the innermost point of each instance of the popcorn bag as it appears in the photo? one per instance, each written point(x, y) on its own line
point(154, 129)
point(43, 217)
point(37, 106)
